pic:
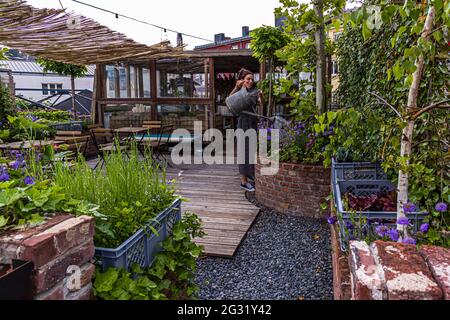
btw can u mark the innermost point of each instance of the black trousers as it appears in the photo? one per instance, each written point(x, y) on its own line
point(246, 122)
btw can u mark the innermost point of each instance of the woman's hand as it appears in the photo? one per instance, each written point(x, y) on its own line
point(239, 84)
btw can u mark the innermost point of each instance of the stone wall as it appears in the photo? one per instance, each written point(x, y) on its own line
point(396, 271)
point(60, 249)
point(296, 188)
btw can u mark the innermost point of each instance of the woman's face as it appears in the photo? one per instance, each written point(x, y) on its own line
point(248, 81)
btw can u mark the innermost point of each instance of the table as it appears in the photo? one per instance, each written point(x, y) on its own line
point(172, 139)
point(130, 132)
point(20, 145)
point(28, 144)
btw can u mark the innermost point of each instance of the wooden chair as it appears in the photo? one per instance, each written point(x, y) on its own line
point(103, 139)
point(76, 142)
point(163, 142)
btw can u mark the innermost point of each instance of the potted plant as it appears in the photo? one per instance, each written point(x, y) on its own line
point(137, 206)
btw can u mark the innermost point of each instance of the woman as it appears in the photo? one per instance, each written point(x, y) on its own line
point(246, 122)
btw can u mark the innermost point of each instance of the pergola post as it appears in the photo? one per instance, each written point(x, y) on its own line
point(128, 82)
point(116, 81)
point(99, 90)
point(153, 90)
point(212, 93)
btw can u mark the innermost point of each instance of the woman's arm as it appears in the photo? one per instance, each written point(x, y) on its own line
point(237, 87)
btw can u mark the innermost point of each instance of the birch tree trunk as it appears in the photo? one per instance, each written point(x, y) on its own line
point(407, 133)
point(320, 60)
point(269, 104)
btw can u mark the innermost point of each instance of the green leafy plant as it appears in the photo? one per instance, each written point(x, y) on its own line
point(266, 40)
point(6, 109)
point(24, 202)
point(46, 116)
point(378, 79)
point(129, 191)
point(170, 277)
point(24, 128)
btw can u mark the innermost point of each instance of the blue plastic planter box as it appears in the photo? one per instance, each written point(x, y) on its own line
point(363, 179)
point(142, 246)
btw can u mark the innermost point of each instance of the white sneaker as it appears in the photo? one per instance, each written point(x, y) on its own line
point(248, 187)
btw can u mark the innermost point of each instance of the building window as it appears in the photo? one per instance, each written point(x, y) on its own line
point(49, 89)
point(247, 45)
point(335, 68)
point(235, 47)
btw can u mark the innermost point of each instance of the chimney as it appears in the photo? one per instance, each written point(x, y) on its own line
point(245, 31)
point(179, 40)
point(219, 37)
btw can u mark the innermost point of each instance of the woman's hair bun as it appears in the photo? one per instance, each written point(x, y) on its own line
point(243, 73)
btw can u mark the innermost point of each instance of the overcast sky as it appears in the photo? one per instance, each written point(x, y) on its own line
point(201, 18)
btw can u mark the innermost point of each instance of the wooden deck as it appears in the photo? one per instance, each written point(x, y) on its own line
point(214, 195)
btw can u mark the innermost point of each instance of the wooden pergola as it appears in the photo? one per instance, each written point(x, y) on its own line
point(67, 37)
point(209, 63)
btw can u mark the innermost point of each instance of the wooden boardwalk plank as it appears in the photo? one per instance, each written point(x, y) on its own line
point(213, 193)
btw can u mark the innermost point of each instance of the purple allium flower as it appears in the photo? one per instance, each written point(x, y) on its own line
point(348, 225)
point(404, 221)
point(409, 207)
point(393, 234)
point(441, 207)
point(28, 180)
point(409, 240)
point(332, 220)
point(4, 176)
point(16, 164)
point(424, 227)
point(382, 231)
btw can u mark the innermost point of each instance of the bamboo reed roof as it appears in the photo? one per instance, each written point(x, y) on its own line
point(67, 37)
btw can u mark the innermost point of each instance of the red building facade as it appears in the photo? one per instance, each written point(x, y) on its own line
point(225, 43)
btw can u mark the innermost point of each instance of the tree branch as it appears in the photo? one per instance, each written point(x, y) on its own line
point(386, 103)
point(423, 141)
point(431, 106)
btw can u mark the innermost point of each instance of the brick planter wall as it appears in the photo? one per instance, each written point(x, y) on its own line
point(296, 188)
point(341, 271)
point(396, 271)
point(53, 246)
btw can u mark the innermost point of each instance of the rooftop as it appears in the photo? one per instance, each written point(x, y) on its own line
point(221, 43)
point(17, 66)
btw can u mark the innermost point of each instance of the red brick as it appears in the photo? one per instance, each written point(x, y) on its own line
point(55, 293)
point(365, 280)
point(405, 272)
point(85, 293)
point(87, 271)
point(72, 232)
point(18, 236)
point(12, 247)
point(438, 260)
point(50, 274)
point(40, 249)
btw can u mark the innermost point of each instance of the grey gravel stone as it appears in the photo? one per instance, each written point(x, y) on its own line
point(282, 257)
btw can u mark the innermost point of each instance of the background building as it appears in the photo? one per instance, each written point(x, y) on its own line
point(221, 42)
point(31, 82)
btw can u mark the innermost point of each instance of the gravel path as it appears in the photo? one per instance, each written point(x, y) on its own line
point(282, 257)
